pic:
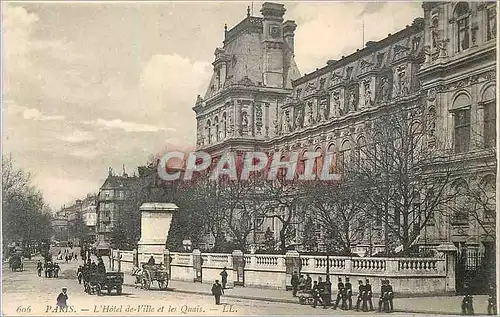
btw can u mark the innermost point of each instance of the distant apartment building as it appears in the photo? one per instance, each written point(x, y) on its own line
point(76, 222)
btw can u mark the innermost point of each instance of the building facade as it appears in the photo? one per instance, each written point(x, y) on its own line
point(442, 64)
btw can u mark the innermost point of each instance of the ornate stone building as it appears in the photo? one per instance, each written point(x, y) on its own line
point(442, 64)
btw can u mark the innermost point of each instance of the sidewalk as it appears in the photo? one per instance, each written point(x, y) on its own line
point(447, 305)
point(442, 305)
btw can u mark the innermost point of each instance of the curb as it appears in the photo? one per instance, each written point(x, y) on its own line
point(289, 301)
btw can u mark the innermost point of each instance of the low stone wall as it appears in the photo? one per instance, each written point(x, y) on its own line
point(416, 276)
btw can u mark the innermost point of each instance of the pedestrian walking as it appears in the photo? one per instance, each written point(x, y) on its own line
point(223, 275)
point(56, 270)
point(79, 274)
point(217, 291)
point(295, 283)
point(302, 282)
point(62, 299)
point(66, 258)
point(39, 268)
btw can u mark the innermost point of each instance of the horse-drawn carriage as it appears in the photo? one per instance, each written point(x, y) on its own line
point(151, 273)
point(16, 263)
point(96, 283)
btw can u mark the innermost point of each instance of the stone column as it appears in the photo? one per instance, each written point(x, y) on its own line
point(293, 264)
point(450, 253)
point(119, 255)
point(238, 268)
point(155, 223)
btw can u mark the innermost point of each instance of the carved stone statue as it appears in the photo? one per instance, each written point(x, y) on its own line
point(336, 111)
point(403, 83)
point(298, 119)
point(352, 101)
point(323, 110)
point(308, 115)
point(244, 119)
point(384, 88)
point(368, 94)
point(285, 127)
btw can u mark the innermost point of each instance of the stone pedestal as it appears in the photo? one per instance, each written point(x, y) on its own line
point(450, 253)
point(155, 223)
point(238, 268)
point(293, 264)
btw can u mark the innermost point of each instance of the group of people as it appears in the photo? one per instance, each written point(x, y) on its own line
point(67, 256)
point(51, 269)
point(90, 268)
point(321, 292)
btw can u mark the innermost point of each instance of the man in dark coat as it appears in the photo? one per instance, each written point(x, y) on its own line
point(340, 289)
point(217, 291)
point(348, 291)
point(309, 282)
point(39, 268)
point(361, 296)
point(223, 275)
point(151, 261)
point(62, 299)
point(101, 270)
point(369, 294)
point(295, 283)
point(79, 274)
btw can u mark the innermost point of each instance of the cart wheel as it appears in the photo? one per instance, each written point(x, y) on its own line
point(119, 290)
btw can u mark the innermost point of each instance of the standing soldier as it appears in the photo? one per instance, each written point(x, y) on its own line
point(217, 291)
point(369, 294)
point(295, 283)
point(348, 291)
point(390, 295)
point(223, 275)
point(361, 296)
point(340, 288)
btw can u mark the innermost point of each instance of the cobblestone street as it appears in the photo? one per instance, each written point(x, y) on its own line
point(24, 293)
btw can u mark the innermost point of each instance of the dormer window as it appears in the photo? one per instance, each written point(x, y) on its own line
point(462, 14)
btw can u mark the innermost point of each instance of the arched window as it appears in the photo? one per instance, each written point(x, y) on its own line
point(462, 124)
point(301, 164)
point(319, 162)
point(224, 125)
point(489, 104)
point(461, 15)
point(209, 131)
point(216, 122)
point(344, 155)
point(333, 162)
point(361, 151)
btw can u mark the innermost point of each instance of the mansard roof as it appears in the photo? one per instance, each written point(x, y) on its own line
point(394, 44)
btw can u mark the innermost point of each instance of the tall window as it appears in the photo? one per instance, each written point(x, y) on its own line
point(463, 26)
point(462, 130)
point(344, 155)
point(209, 131)
point(224, 125)
point(491, 23)
point(217, 129)
point(490, 124)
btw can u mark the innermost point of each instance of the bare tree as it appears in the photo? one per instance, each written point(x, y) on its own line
point(403, 189)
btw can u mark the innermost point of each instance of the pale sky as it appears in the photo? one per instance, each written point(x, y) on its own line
point(87, 86)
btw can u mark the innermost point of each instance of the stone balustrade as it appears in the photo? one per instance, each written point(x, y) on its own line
point(407, 275)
